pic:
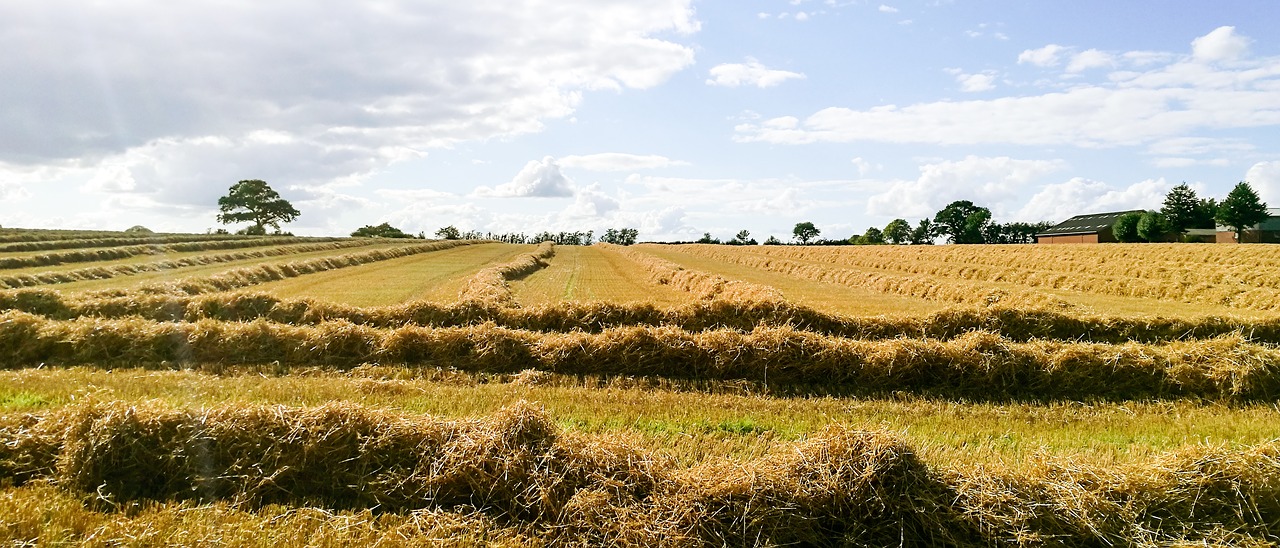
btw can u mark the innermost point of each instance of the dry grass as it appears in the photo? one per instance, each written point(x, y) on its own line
point(700, 284)
point(113, 241)
point(490, 286)
point(91, 254)
point(838, 487)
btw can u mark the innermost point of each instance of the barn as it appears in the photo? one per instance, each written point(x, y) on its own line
point(1083, 229)
point(1267, 232)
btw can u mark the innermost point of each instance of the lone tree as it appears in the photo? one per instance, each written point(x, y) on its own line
point(1182, 210)
point(255, 201)
point(1241, 209)
point(384, 230)
point(962, 222)
point(449, 233)
point(804, 232)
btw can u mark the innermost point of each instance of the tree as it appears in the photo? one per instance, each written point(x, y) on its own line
point(707, 239)
point(138, 229)
point(1181, 208)
point(620, 236)
point(1241, 209)
point(922, 234)
point(961, 222)
point(256, 202)
point(773, 240)
point(804, 232)
point(1125, 228)
point(743, 238)
point(1152, 226)
point(873, 236)
point(898, 231)
point(384, 230)
point(449, 233)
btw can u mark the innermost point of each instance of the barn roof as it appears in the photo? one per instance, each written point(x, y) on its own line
point(1086, 224)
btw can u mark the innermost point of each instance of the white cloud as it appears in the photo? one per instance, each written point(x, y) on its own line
point(749, 73)
point(1079, 196)
point(1044, 57)
point(801, 16)
point(614, 161)
point(591, 202)
point(1198, 146)
point(1222, 44)
point(863, 166)
point(972, 83)
point(1264, 177)
point(1089, 59)
point(888, 9)
point(975, 178)
point(538, 178)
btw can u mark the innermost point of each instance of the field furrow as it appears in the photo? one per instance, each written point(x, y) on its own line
point(589, 275)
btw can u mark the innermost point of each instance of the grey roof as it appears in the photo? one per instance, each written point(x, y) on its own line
point(1086, 224)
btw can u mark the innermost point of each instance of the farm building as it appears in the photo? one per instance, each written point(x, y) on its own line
point(1267, 231)
point(1083, 229)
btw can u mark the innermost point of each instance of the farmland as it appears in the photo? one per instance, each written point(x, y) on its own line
point(186, 389)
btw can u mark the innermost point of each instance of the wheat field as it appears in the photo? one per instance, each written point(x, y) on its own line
point(197, 389)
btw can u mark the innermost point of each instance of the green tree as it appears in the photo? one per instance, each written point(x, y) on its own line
point(1183, 210)
point(138, 229)
point(873, 236)
point(962, 222)
point(1152, 226)
point(256, 202)
point(1125, 228)
point(743, 237)
point(898, 231)
point(804, 232)
point(922, 234)
point(384, 230)
point(1241, 209)
point(707, 239)
point(773, 240)
point(449, 233)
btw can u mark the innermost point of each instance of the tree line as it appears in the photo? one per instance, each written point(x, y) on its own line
point(1182, 211)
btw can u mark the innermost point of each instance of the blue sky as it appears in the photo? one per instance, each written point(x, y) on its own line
point(675, 117)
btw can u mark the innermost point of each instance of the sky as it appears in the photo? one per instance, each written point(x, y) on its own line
point(674, 117)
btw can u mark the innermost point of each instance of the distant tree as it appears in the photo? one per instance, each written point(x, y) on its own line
point(961, 222)
point(620, 236)
point(922, 234)
point(773, 240)
point(1241, 209)
point(1182, 210)
point(449, 233)
point(138, 229)
point(384, 230)
point(743, 237)
point(898, 231)
point(1125, 228)
point(1152, 226)
point(805, 232)
point(873, 236)
point(706, 239)
point(256, 202)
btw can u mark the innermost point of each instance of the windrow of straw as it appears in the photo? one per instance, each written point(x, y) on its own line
point(1019, 324)
point(919, 286)
point(702, 285)
point(129, 269)
point(976, 365)
point(125, 252)
point(489, 287)
point(8, 235)
point(840, 487)
point(116, 240)
point(1243, 291)
point(252, 275)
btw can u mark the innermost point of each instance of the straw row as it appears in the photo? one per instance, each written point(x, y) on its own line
point(40, 235)
point(974, 365)
point(840, 487)
point(1246, 291)
point(919, 286)
point(490, 287)
point(702, 285)
point(1019, 324)
point(114, 270)
point(115, 240)
point(125, 252)
point(262, 273)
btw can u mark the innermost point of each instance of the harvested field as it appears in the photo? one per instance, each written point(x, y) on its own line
point(434, 277)
point(468, 393)
point(592, 274)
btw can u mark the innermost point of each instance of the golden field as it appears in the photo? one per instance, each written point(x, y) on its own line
point(193, 389)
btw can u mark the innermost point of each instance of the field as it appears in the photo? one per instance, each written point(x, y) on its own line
point(191, 389)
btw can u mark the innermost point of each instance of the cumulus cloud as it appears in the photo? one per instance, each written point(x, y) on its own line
point(1089, 59)
point(1044, 57)
point(975, 178)
point(888, 9)
point(1223, 44)
point(1080, 196)
point(972, 83)
point(751, 73)
point(1265, 178)
point(538, 179)
point(614, 161)
point(591, 202)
